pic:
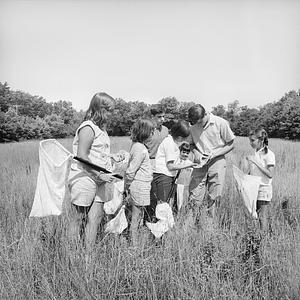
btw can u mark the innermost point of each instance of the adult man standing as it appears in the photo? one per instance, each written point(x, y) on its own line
point(212, 137)
point(160, 132)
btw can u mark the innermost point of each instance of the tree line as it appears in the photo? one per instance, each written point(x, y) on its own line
point(24, 117)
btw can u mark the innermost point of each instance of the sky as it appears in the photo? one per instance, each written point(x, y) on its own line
point(210, 52)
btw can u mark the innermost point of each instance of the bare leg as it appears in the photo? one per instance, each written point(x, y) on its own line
point(94, 219)
point(197, 190)
point(77, 216)
point(262, 210)
point(137, 215)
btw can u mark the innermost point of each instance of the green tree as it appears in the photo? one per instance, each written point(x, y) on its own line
point(219, 110)
point(183, 110)
point(56, 126)
point(4, 97)
point(171, 107)
point(281, 119)
point(246, 120)
point(138, 110)
point(12, 127)
point(120, 122)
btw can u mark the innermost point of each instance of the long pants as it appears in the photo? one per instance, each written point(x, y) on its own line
point(207, 181)
point(160, 189)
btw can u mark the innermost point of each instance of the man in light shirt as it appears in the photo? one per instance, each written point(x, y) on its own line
point(212, 137)
point(160, 132)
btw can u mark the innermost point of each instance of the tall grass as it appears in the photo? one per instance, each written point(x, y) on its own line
point(232, 262)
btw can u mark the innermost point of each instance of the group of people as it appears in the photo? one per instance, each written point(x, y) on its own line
point(190, 153)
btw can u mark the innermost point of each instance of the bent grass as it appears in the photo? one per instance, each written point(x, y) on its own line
point(232, 262)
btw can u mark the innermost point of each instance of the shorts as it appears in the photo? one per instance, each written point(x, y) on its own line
point(84, 191)
point(140, 192)
point(264, 193)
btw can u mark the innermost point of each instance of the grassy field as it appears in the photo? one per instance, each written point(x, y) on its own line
point(38, 262)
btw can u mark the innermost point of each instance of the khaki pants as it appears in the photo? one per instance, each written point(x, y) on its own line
point(206, 186)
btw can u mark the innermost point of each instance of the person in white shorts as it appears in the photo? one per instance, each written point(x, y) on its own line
point(262, 164)
point(88, 188)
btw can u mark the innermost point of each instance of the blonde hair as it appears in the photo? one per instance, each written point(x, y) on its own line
point(100, 106)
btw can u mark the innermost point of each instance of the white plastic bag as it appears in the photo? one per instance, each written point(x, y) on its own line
point(163, 213)
point(114, 204)
point(180, 196)
point(118, 223)
point(51, 181)
point(247, 186)
point(120, 167)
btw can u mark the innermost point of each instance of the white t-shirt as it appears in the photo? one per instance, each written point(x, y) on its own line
point(166, 152)
point(266, 159)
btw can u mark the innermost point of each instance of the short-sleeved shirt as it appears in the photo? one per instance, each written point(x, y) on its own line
point(139, 166)
point(167, 151)
point(266, 159)
point(156, 139)
point(216, 134)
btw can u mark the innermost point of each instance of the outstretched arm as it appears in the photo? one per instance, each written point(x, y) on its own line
point(174, 167)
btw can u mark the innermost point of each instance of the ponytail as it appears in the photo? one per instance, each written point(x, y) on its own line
point(262, 135)
point(265, 141)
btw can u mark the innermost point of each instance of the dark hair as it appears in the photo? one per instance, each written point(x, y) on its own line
point(156, 110)
point(180, 128)
point(100, 106)
point(262, 135)
point(141, 130)
point(185, 146)
point(196, 112)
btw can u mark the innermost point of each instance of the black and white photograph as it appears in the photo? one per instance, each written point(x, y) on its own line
point(150, 149)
